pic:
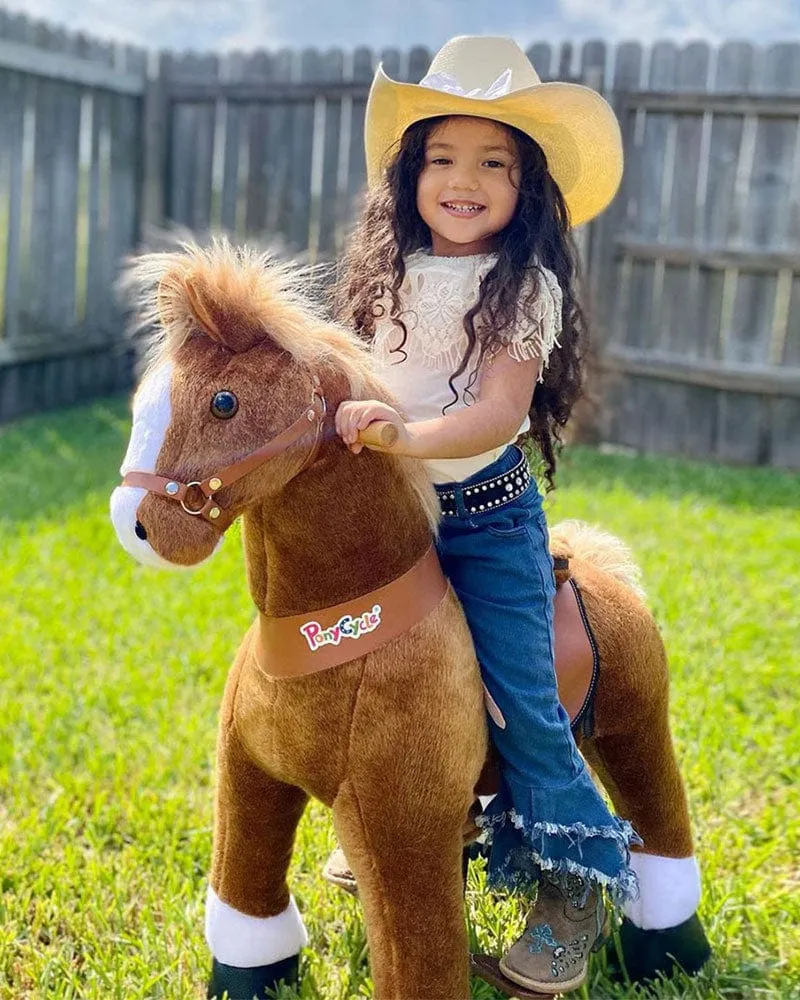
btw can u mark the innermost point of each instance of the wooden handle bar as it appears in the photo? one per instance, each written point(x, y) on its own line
point(379, 434)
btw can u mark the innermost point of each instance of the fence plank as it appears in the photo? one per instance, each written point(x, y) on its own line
point(203, 69)
point(698, 102)
point(610, 277)
point(764, 380)
point(231, 68)
point(99, 274)
point(13, 97)
point(734, 66)
point(692, 74)
point(656, 155)
point(123, 185)
point(791, 54)
point(155, 126)
point(325, 184)
point(592, 74)
point(182, 154)
point(419, 59)
point(49, 61)
point(791, 349)
point(656, 166)
point(594, 57)
point(564, 65)
point(206, 131)
point(540, 55)
point(785, 442)
point(720, 258)
point(60, 293)
point(262, 162)
point(681, 420)
point(37, 267)
point(302, 114)
point(740, 419)
point(191, 146)
point(775, 174)
point(279, 157)
point(357, 171)
point(680, 332)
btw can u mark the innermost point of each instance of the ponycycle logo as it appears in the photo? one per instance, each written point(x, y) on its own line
point(347, 627)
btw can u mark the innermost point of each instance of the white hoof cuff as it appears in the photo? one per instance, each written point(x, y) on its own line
point(669, 891)
point(249, 942)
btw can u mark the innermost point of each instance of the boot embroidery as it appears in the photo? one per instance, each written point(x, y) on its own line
point(541, 935)
point(554, 947)
point(567, 957)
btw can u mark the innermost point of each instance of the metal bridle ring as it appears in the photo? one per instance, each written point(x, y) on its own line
point(194, 513)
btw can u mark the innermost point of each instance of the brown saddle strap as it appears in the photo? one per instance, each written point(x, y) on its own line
point(319, 640)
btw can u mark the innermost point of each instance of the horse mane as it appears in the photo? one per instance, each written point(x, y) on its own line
point(271, 297)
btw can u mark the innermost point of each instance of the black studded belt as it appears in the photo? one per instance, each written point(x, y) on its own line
point(489, 494)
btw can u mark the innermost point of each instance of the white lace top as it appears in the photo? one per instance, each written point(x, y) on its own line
point(436, 295)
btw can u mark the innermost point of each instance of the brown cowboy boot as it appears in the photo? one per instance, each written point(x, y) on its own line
point(553, 953)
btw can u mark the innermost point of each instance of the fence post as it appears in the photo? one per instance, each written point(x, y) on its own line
point(155, 112)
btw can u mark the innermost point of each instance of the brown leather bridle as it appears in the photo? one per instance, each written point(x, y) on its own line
point(203, 493)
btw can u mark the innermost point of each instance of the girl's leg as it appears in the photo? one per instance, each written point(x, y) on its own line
point(548, 815)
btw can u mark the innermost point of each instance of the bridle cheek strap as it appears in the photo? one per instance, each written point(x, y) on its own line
point(198, 498)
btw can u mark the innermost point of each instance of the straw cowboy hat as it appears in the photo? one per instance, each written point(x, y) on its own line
point(493, 78)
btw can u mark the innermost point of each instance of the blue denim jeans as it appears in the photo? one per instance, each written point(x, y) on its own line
point(548, 813)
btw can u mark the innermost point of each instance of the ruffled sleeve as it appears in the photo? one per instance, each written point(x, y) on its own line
point(536, 333)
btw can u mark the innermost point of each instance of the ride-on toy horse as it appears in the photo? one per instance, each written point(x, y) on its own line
point(357, 682)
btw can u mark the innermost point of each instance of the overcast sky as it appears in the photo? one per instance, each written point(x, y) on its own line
point(248, 24)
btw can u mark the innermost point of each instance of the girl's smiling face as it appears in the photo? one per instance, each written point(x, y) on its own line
point(468, 188)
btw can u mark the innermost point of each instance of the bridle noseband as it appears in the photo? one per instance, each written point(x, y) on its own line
point(198, 498)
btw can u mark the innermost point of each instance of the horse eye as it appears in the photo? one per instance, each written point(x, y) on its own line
point(224, 405)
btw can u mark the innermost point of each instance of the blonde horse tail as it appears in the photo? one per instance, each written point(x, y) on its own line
point(579, 540)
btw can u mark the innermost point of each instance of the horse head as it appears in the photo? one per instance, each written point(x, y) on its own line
point(232, 405)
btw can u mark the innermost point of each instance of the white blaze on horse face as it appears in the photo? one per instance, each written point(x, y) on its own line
point(151, 417)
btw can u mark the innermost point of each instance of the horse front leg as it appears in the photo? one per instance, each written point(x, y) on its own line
point(417, 744)
point(253, 927)
point(408, 863)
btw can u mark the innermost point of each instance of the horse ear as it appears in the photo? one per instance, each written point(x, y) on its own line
point(179, 293)
point(220, 311)
point(200, 309)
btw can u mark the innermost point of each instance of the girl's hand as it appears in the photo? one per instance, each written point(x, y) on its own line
point(356, 415)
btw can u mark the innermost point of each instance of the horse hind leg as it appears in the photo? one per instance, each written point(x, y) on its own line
point(253, 927)
point(639, 770)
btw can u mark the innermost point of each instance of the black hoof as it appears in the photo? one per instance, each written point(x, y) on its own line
point(245, 984)
point(648, 954)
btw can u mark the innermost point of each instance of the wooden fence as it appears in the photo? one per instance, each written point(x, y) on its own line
point(70, 122)
point(695, 271)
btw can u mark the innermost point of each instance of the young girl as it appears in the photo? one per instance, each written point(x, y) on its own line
point(461, 273)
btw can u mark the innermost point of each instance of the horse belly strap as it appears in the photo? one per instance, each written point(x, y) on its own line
point(319, 640)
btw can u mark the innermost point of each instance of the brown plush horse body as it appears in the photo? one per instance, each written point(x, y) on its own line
point(392, 740)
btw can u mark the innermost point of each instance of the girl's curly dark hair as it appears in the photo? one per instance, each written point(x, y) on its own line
point(391, 228)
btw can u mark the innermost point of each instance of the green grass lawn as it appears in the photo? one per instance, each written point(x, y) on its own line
point(111, 678)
